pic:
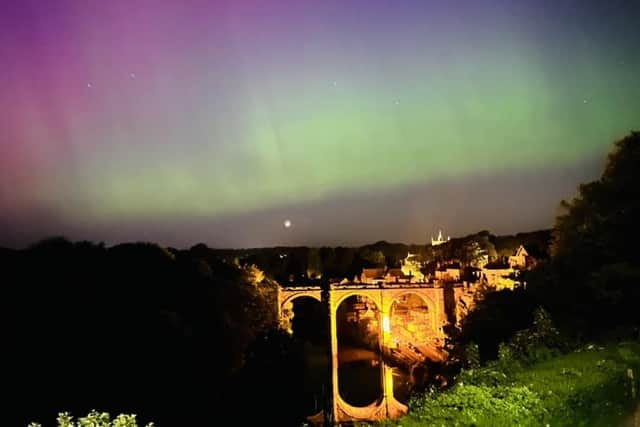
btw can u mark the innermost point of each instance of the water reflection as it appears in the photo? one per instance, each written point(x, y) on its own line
point(402, 384)
point(360, 365)
point(305, 316)
point(359, 381)
point(359, 362)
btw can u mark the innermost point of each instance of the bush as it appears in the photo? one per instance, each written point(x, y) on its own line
point(472, 356)
point(495, 319)
point(539, 342)
point(505, 353)
point(491, 375)
point(468, 405)
point(95, 419)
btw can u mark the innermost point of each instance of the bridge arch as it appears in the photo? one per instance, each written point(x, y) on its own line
point(286, 298)
point(358, 318)
point(342, 295)
point(290, 296)
point(301, 314)
point(429, 304)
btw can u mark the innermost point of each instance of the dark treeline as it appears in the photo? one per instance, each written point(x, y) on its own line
point(177, 336)
point(297, 264)
point(591, 283)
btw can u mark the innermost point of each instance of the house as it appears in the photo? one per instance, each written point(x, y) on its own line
point(379, 276)
point(396, 275)
point(499, 275)
point(522, 259)
point(373, 275)
point(471, 274)
point(448, 273)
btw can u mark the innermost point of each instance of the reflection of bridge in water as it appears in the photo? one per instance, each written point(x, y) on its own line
point(392, 334)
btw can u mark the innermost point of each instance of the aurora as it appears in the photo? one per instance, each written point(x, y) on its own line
point(216, 121)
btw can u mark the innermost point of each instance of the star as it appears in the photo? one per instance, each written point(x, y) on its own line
point(89, 85)
point(287, 223)
point(585, 101)
point(132, 75)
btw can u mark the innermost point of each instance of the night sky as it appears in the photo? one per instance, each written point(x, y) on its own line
point(181, 122)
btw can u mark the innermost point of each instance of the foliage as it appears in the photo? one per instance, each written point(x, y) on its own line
point(506, 355)
point(472, 253)
point(598, 220)
point(165, 323)
point(254, 275)
point(468, 405)
point(592, 282)
point(537, 342)
point(495, 319)
point(372, 258)
point(314, 264)
point(472, 356)
point(588, 387)
point(96, 419)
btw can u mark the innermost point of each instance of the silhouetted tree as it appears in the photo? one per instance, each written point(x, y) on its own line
point(593, 281)
point(314, 264)
point(134, 328)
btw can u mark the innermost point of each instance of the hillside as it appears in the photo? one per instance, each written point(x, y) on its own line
point(302, 263)
point(587, 387)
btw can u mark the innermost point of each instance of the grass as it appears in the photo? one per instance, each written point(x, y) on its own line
point(587, 387)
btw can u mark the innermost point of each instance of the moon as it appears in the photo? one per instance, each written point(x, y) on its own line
point(287, 223)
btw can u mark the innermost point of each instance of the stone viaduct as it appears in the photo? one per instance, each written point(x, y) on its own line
point(383, 295)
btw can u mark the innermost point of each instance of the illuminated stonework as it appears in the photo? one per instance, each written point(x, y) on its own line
point(412, 268)
point(522, 260)
point(439, 240)
point(499, 276)
point(425, 332)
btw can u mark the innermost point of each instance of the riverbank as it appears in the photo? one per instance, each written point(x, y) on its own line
point(592, 386)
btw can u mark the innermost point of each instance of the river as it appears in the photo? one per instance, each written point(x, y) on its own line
point(358, 377)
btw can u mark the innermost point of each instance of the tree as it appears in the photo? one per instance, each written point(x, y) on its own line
point(471, 253)
point(594, 277)
point(314, 264)
point(189, 312)
point(601, 222)
point(95, 419)
point(372, 258)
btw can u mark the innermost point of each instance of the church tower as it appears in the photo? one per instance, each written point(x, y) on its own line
point(440, 240)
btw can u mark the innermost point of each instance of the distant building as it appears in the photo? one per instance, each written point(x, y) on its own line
point(499, 275)
point(522, 260)
point(413, 268)
point(373, 275)
point(381, 276)
point(471, 274)
point(448, 273)
point(439, 240)
point(396, 275)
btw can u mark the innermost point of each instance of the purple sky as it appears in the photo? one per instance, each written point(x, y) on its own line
point(216, 121)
